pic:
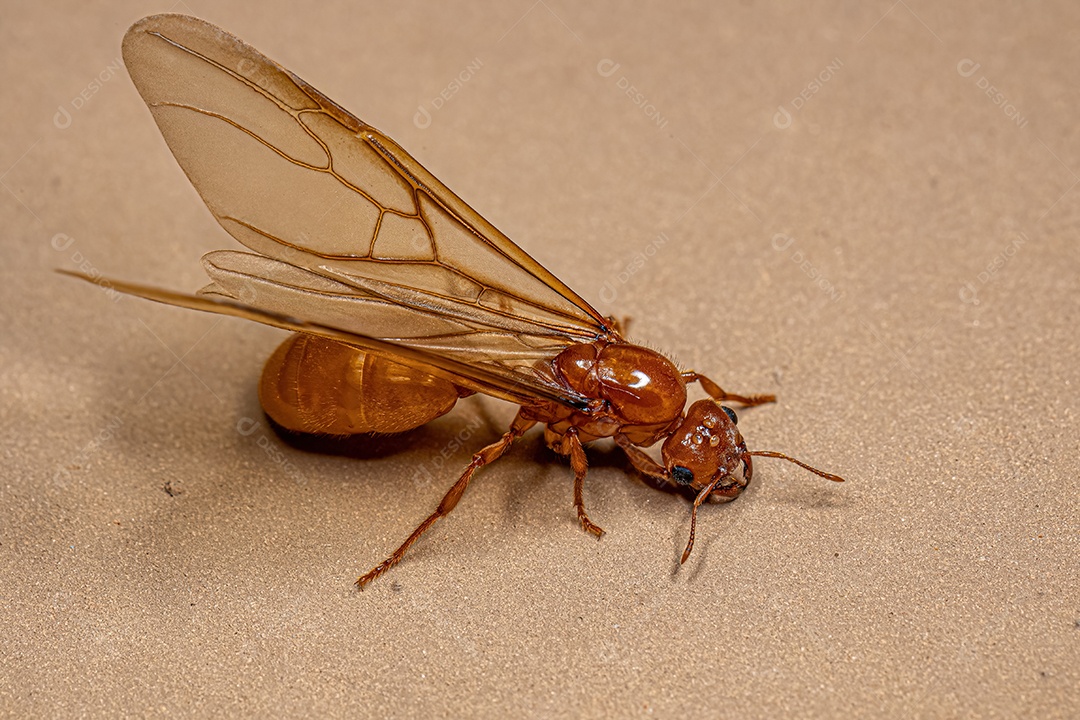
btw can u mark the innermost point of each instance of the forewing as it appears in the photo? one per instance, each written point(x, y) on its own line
point(349, 230)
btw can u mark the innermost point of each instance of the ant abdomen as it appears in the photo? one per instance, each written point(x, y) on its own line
point(314, 385)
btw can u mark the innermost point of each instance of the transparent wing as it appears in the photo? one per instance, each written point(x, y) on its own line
point(471, 376)
point(348, 230)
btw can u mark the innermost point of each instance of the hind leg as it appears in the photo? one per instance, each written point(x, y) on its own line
point(488, 455)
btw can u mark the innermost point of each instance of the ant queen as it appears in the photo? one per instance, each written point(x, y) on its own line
point(401, 297)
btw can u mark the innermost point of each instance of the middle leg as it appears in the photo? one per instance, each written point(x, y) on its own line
point(571, 445)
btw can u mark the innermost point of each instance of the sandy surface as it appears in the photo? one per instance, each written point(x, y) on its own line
point(870, 209)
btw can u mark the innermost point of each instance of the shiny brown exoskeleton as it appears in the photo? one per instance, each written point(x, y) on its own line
point(402, 297)
point(636, 396)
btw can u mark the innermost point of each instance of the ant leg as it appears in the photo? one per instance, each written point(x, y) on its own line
point(621, 325)
point(719, 395)
point(571, 445)
point(488, 455)
point(653, 473)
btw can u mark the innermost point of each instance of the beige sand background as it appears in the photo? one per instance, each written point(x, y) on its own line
point(869, 208)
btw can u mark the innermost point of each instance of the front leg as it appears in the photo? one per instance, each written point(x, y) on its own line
point(719, 395)
point(654, 474)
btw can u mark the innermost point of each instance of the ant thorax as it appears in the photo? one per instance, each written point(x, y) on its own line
point(638, 392)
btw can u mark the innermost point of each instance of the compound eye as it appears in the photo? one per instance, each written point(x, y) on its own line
point(731, 414)
point(682, 475)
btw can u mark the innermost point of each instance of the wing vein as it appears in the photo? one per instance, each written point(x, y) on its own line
point(347, 230)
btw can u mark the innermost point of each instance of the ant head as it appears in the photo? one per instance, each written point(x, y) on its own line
point(706, 450)
point(704, 453)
